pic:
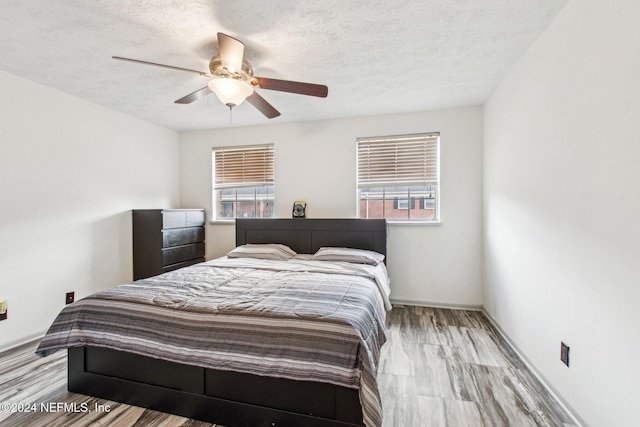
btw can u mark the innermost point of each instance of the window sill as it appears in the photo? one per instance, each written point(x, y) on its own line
point(389, 221)
point(428, 223)
point(222, 222)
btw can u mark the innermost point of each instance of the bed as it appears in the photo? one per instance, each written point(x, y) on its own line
point(251, 377)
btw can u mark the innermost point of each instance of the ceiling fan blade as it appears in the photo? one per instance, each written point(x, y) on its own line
point(202, 73)
point(200, 93)
point(292, 87)
point(231, 52)
point(262, 105)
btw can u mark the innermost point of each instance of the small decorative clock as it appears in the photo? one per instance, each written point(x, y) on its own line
point(299, 209)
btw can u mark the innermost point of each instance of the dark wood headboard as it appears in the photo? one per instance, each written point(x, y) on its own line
point(306, 236)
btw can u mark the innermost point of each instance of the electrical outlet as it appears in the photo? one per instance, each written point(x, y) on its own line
point(4, 312)
point(70, 297)
point(564, 353)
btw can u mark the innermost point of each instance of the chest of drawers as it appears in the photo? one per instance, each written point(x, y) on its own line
point(166, 239)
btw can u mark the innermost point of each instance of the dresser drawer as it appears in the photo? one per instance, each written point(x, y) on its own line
point(182, 253)
point(182, 264)
point(182, 236)
point(182, 218)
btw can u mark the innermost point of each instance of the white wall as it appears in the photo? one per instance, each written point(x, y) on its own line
point(561, 207)
point(316, 161)
point(70, 171)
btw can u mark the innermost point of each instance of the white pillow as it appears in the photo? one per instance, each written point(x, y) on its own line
point(274, 251)
point(358, 256)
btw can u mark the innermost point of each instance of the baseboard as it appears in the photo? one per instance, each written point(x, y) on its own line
point(563, 403)
point(472, 307)
point(25, 340)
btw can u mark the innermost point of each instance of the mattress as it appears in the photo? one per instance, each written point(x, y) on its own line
point(298, 319)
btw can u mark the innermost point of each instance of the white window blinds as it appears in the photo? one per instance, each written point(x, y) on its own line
point(398, 160)
point(248, 166)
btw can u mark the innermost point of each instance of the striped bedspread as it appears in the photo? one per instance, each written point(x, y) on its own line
point(297, 319)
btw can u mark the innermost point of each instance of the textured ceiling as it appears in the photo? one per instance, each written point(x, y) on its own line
point(376, 57)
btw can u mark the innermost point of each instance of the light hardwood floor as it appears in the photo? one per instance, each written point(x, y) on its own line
point(439, 367)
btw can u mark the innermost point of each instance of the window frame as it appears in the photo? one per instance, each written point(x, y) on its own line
point(388, 163)
point(246, 171)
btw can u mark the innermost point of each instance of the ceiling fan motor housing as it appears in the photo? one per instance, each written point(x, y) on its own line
point(216, 68)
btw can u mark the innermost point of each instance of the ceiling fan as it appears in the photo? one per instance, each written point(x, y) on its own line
point(232, 79)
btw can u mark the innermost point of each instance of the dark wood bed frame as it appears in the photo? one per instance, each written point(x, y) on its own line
point(229, 398)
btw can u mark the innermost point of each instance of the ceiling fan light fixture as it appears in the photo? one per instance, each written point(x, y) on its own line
point(231, 92)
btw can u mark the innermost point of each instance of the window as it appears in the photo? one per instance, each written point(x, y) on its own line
point(398, 177)
point(243, 182)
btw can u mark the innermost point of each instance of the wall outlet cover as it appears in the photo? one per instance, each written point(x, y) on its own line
point(564, 353)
